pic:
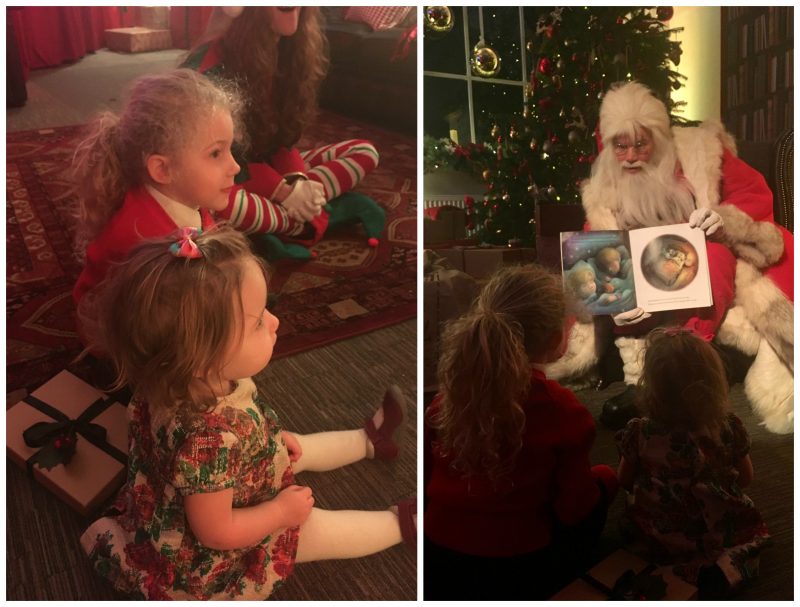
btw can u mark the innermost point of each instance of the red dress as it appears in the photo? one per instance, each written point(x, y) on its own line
point(140, 217)
point(552, 478)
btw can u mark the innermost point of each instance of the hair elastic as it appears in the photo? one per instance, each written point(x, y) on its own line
point(185, 246)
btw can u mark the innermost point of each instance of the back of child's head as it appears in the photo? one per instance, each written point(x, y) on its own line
point(160, 115)
point(683, 383)
point(166, 321)
point(485, 367)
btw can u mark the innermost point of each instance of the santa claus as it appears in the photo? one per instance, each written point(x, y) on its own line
point(649, 174)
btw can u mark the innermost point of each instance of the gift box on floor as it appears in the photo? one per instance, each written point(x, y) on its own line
point(482, 262)
point(625, 576)
point(74, 412)
point(444, 224)
point(137, 39)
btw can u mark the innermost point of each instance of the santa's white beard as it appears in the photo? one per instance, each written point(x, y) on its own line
point(651, 196)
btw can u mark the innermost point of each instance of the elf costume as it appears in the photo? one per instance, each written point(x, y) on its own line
point(337, 167)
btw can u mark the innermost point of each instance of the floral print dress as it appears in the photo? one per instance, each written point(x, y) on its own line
point(686, 506)
point(145, 546)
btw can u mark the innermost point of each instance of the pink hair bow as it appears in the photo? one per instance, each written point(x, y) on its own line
point(185, 246)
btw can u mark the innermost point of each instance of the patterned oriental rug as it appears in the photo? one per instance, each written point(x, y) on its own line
point(348, 290)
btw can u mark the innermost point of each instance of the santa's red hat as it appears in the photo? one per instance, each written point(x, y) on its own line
point(629, 106)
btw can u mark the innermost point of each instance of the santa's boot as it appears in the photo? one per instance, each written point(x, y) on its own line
point(618, 409)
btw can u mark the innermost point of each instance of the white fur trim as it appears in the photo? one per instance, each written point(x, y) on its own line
point(629, 106)
point(768, 309)
point(631, 351)
point(736, 331)
point(580, 356)
point(699, 151)
point(770, 387)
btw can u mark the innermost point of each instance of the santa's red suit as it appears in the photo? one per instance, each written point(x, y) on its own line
point(751, 267)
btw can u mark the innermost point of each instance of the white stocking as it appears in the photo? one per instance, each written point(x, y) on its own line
point(346, 534)
point(325, 451)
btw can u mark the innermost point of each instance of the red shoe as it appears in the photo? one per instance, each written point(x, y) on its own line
point(406, 511)
point(386, 438)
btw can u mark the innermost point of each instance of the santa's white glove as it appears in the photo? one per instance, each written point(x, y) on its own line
point(305, 201)
point(707, 220)
point(631, 317)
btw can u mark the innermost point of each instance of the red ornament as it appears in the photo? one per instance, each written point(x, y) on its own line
point(545, 103)
point(545, 66)
point(469, 202)
point(549, 31)
point(620, 20)
point(554, 138)
point(665, 13)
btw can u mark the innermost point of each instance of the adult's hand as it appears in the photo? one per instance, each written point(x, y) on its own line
point(305, 201)
point(631, 317)
point(707, 220)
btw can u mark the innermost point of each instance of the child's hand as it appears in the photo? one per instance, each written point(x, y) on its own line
point(305, 201)
point(295, 503)
point(292, 445)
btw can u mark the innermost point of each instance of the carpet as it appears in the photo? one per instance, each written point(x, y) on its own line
point(348, 290)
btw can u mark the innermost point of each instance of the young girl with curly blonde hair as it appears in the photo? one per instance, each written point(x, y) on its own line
point(513, 504)
point(211, 508)
point(164, 162)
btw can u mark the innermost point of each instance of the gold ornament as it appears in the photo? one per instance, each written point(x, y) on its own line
point(487, 174)
point(439, 19)
point(495, 131)
point(485, 62)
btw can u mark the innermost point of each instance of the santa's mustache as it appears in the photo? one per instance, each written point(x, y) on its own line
point(634, 165)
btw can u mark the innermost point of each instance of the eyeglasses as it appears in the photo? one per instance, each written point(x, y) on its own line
point(639, 146)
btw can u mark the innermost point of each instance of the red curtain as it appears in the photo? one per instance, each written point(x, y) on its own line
point(48, 36)
point(187, 23)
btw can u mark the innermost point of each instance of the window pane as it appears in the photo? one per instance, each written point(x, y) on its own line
point(446, 108)
point(445, 52)
point(501, 32)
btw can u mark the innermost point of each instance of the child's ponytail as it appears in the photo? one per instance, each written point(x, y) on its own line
point(98, 175)
point(485, 368)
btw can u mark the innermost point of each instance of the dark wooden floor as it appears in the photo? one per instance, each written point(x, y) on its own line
point(330, 388)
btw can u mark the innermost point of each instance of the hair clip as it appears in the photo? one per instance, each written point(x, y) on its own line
point(185, 246)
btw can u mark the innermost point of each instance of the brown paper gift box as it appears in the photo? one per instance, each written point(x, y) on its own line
point(92, 475)
point(137, 39)
point(608, 571)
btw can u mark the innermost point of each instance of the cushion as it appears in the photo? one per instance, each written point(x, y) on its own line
point(378, 17)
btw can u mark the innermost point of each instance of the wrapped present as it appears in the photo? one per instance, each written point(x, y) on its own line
point(625, 576)
point(137, 39)
point(71, 438)
point(444, 224)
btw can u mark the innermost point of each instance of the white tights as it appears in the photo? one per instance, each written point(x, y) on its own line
point(341, 534)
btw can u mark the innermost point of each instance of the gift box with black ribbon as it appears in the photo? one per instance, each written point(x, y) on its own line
point(71, 438)
point(623, 576)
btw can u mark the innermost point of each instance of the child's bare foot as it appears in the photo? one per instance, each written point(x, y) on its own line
point(384, 427)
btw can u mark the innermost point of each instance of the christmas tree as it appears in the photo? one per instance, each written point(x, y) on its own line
point(543, 152)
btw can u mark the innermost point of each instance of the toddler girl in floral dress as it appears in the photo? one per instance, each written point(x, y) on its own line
point(685, 465)
point(211, 509)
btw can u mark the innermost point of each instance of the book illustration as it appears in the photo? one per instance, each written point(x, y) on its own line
point(656, 269)
point(669, 262)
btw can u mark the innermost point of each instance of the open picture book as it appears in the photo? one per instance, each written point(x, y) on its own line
point(656, 269)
